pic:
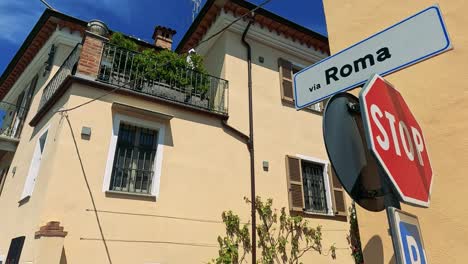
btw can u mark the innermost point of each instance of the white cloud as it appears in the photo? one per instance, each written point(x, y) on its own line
point(17, 19)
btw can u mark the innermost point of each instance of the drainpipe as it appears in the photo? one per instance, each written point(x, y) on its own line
point(249, 140)
point(250, 143)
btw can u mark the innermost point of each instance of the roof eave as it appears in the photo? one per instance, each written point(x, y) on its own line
point(249, 6)
point(42, 20)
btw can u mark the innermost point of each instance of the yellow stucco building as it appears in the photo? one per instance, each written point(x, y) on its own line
point(436, 92)
point(149, 167)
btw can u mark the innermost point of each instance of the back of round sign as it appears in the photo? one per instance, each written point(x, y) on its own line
point(353, 164)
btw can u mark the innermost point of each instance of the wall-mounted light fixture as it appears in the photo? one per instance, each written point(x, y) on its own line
point(50, 60)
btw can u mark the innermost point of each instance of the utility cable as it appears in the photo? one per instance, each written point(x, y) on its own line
point(165, 64)
point(105, 94)
point(233, 22)
point(65, 114)
point(48, 5)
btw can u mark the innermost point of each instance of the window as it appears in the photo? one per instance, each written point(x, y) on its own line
point(287, 70)
point(23, 103)
point(3, 175)
point(14, 252)
point(313, 182)
point(34, 167)
point(312, 188)
point(135, 156)
point(133, 159)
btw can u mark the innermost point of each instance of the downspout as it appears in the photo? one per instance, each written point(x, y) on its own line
point(249, 140)
point(250, 143)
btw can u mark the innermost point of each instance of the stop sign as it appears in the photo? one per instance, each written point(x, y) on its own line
point(396, 139)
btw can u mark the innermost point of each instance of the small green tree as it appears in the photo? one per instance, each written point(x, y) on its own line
point(282, 239)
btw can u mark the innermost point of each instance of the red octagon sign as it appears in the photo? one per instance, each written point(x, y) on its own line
point(396, 139)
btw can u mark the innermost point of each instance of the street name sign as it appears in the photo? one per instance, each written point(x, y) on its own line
point(396, 139)
point(410, 41)
point(407, 238)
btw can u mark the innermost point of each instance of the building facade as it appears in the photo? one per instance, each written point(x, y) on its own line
point(435, 90)
point(110, 166)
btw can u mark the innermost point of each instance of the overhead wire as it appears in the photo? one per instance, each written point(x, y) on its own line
point(104, 94)
point(165, 64)
point(64, 114)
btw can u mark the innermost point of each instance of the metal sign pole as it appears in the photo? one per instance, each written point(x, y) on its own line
point(390, 200)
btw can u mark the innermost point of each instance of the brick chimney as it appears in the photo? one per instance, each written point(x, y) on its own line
point(163, 37)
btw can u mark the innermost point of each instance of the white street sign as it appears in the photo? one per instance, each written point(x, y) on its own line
point(410, 41)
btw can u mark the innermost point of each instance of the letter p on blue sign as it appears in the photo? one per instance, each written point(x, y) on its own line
point(407, 238)
point(412, 244)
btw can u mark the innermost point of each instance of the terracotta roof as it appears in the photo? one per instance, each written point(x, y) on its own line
point(263, 18)
point(41, 32)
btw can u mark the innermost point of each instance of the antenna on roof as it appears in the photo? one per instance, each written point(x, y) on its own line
point(196, 8)
point(47, 4)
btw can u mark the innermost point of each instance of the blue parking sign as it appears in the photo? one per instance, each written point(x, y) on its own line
point(407, 238)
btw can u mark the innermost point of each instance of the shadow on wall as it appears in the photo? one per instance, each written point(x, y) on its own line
point(374, 252)
point(63, 258)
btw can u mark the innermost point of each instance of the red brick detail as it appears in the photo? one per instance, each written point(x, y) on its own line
point(90, 57)
point(51, 229)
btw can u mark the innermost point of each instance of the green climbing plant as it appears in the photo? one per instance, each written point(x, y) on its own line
point(119, 40)
point(164, 65)
point(282, 238)
point(354, 239)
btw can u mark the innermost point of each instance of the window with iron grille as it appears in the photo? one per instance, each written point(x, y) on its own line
point(315, 194)
point(135, 153)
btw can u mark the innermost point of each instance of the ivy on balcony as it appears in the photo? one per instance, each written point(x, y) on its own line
point(164, 64)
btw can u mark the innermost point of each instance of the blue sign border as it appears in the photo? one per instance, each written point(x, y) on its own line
point(384, 73)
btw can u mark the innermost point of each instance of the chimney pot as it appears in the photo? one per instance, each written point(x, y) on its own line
point(163, 37)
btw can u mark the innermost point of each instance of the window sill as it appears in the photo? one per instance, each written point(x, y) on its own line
point(128, 195)
point(317, 213)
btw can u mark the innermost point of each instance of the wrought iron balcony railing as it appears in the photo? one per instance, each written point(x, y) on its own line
point(12, 119)
point(120, 67)
point(68, 68)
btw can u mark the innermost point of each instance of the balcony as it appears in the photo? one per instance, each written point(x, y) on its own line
point(120, 67)
point(11, 124)
point(68, 68)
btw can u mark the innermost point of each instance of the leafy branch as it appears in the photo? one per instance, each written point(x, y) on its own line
point(164, 65)
point(282, 239)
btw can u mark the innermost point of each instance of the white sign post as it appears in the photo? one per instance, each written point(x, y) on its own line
point(410, 41)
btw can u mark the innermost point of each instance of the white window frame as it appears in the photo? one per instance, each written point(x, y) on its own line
point(326, 181)
point(35, 166)
point(157, 165)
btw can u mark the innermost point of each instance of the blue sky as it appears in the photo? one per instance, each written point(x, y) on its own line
point(133, 17)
